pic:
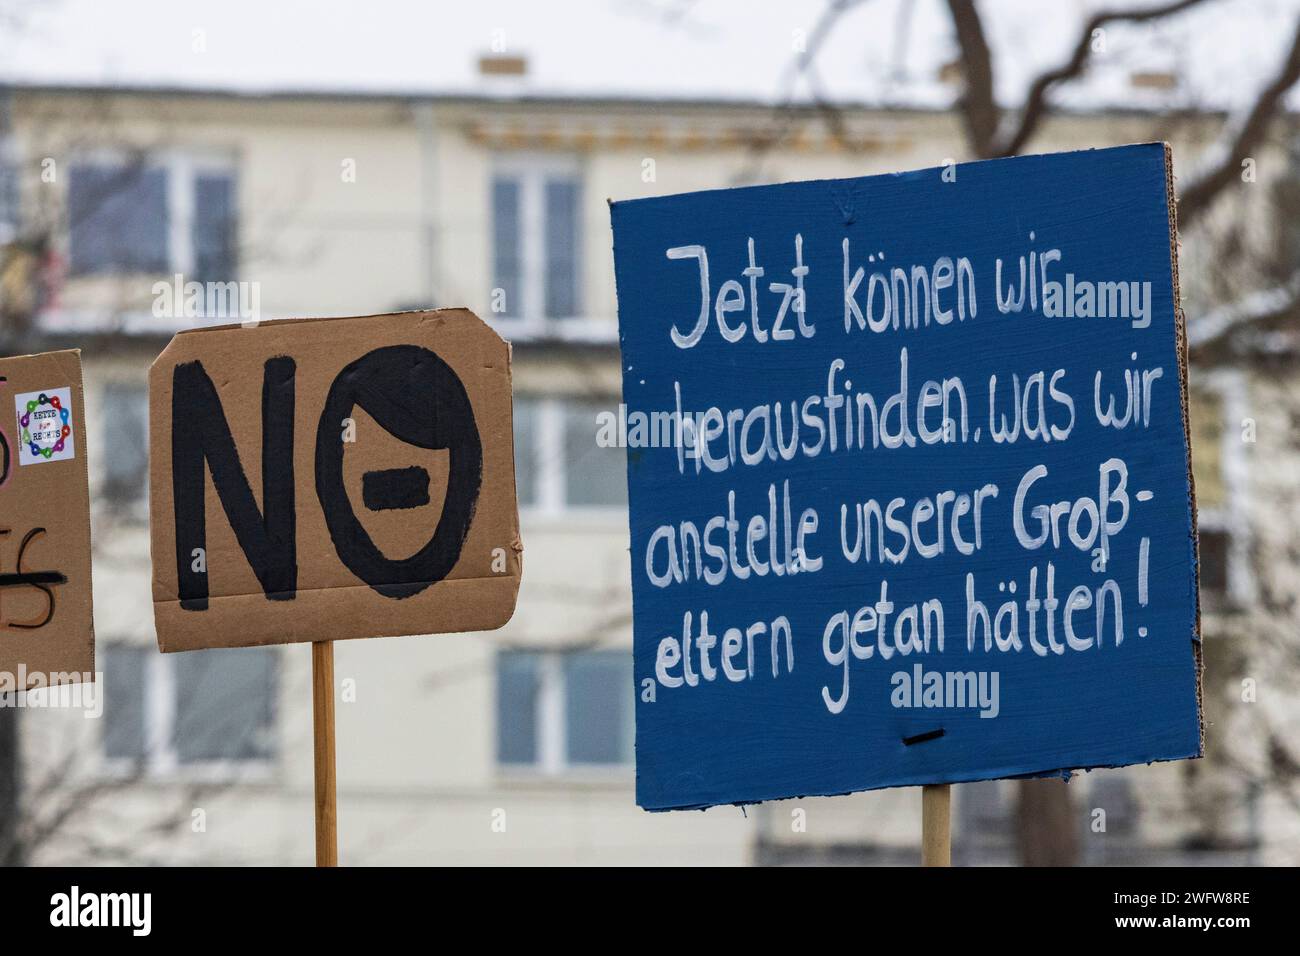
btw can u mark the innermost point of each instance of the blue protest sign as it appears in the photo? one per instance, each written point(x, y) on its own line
point(909, 479)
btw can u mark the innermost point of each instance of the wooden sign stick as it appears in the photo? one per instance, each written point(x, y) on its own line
point(322, 712)
point(936, 831)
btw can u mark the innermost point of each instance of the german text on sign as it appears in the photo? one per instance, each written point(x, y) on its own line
point(909, 479)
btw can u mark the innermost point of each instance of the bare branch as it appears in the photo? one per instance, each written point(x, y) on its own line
point(979, 108)
point(786, 117)
point(1241, 136)
point(978, 105)
point(1231, 324)
point(1035, 107)
point(805, 66)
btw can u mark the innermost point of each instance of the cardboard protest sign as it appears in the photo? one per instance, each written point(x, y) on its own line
point(324, 479)
point(909, 479)
point(46, 629)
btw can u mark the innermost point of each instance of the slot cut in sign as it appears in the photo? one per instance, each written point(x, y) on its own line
point(909, 479)
point(316, 480)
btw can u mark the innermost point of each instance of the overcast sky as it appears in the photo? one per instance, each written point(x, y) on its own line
point(707, 49)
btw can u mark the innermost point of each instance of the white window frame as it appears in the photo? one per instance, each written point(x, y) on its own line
point(160, 760)
point(137, 511)
point(183, 165)
point(531, 170)
point(552, 728)
point(551, 464)
point(1233, 518)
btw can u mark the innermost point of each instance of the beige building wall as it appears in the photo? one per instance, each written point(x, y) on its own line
point(362, 206)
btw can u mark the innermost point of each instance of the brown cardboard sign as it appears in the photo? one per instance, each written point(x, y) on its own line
point(322, 479)
point(46, 629)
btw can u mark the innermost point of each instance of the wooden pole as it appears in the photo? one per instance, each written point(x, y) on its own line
point(936, 833)
point(322, 712)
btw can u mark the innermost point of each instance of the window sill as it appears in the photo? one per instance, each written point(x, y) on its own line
point(212, 772)
point(574, 331)
point(594, 520)
point(137, 322)
point(615, 777)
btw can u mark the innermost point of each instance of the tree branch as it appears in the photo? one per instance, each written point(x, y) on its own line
point(1231, 324)
point(979, 107)
point(1240, 137)
point(1036, 101)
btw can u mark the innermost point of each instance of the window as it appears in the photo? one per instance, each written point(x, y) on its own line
point(1216, 412)
point(592, 475)
point(527, 460)
point(225, 703)
point(125, 414)
point(172, 215)
point(1213, 559)
point(117, 219)
point(558, 711)
point(598, 691)
point(214, 227)
point(558, 464)
point(536, 242)
point(984, 814)
point(1113, 791)
point(1286, 196)
point(518, 696)
point(561, 277)
point(199, 709)
point(10, 212)
point(124, 731)
point(507, 260)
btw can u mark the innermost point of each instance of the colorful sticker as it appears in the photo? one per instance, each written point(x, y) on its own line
point(44, 426)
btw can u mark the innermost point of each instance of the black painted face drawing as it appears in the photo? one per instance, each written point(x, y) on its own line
point(408, 390)
point(415, 396)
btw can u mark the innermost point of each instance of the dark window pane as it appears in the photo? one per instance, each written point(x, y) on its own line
point(593, 476)
point(507, 262)
point(598, 707)
point(561, 242)
point(1214, 562)
point(9, 202)
point(214, 228)
point(518, 687)
point(1113, 792)
point(526, 462)
point(124, 730)
point(125, 414)
point(1286, 195)
point(225, 704)
point(117, 219)
point(982, 812)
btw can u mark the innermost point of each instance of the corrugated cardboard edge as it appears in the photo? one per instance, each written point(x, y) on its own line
point(1180, 337)
point(262, 635)
point(80, 405)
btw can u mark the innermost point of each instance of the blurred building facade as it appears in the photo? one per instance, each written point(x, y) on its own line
point(515, 746)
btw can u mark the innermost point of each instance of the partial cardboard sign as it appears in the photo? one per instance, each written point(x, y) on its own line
point(924, 513)
point(46, 628)
point(323, 479)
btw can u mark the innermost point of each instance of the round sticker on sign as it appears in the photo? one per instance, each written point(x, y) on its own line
point(45, 425)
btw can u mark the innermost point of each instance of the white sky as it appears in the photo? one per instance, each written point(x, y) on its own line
point(707, 49)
